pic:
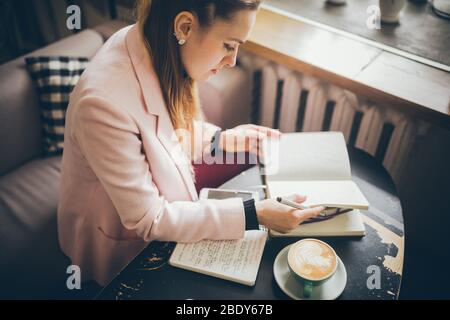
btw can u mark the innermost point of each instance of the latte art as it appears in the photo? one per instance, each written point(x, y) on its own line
point(312, 259)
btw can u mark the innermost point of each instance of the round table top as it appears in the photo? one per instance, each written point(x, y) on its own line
point(373, 263)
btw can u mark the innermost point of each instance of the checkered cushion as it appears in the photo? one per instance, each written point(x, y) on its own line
point(54, 78)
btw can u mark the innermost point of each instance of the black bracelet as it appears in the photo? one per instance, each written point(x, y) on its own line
point(251, 219)
point(215, 142)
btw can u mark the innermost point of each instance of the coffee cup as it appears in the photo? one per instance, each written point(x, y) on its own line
point(390, 10)
point(311, 262)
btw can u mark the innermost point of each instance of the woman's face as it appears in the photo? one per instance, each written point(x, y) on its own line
point(207, 51)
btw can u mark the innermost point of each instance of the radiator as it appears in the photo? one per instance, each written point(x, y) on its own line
point(293, 102)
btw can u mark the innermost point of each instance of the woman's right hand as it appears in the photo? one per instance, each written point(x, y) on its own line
point(283, 218)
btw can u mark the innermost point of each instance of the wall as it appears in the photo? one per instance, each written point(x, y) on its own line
point(27, 25)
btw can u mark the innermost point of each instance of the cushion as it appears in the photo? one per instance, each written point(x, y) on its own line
point(28, 202)
point(20, 123)
point(110, 27)
point(30, 259)
point(54, 78)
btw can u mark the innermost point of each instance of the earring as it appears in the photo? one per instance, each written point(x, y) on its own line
point(180, 41)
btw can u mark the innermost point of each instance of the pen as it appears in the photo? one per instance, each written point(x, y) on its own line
point(291, 203)
point(296, 205)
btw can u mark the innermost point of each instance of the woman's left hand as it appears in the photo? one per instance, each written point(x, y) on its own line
point(246, 138)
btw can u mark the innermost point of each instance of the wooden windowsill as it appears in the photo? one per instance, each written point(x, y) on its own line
point(381, 76)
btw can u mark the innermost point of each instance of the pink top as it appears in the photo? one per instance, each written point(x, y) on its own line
point(124, 182)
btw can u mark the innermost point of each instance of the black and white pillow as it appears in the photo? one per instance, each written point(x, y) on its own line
point(54, 78)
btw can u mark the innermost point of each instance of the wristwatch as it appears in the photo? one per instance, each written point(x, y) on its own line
point(215, 142)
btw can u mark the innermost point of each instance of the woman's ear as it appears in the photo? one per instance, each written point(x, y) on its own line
point(183, 25)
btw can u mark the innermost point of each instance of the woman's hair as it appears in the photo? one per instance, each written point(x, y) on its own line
point(155, 18)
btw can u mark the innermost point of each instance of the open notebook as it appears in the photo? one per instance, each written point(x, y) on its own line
point(234, 260)
point(316, 165)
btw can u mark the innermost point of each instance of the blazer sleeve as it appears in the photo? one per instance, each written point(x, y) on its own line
point(110, 141)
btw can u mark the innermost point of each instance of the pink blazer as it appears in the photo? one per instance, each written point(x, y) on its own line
point(123, 183)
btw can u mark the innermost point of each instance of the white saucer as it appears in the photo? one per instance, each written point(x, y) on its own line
point(329, 290)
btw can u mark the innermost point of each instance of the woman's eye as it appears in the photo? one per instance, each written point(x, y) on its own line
point(228, 47)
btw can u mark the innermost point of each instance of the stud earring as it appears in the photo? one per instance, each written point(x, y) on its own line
point(180, 41)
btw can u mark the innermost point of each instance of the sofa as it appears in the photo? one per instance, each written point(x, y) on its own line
point(31, 263)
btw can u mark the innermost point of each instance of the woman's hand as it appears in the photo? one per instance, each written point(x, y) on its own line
point(282, 218)
point(246, 138)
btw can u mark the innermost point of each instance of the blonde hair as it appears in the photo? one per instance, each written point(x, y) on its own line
point(155, 18)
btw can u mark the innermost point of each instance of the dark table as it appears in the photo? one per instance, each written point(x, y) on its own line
point(149, 276)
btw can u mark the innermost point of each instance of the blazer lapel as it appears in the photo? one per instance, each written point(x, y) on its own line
point(154, 103)
point(166, 135)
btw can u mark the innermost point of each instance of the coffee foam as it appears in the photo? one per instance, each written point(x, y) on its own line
point(312, 259)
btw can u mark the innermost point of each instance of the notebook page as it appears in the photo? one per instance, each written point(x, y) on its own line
point(347, 224)
point(343, 194)
point(307, 156)
point(234, 260)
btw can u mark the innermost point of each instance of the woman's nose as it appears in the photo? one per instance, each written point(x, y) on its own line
point(230, 60)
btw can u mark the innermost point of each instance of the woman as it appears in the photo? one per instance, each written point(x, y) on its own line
point(126, 174)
